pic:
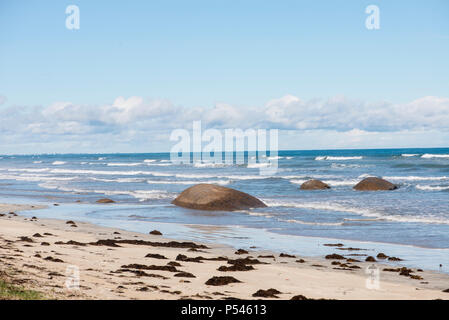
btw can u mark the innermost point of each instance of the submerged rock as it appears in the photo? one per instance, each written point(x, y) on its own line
point(374, 184)
point(212, 197)
point(105, 200)
point(314, 185)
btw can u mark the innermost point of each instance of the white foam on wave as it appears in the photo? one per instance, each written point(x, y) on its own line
point(359, 211)
point(408, 155)
point(149, 160)
point(437, 156)
point(141, 195)
point(432, 188)
point(312, 223)
point(209, 165)
point(219, 182)
point(259, 165)
point(37, 161)
point(416, 178)
point(58, 163)
point(332, 183)
point(126, 164)
point(34, 177)
point(330, 158)
point(119, 180)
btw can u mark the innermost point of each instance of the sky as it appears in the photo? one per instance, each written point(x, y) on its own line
point(136, 70)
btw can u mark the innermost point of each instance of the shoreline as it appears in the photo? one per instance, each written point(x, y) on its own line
point(120, 270)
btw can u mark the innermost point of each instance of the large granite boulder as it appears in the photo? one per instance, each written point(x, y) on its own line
point(314, 185)
point(213, 197)
point(374, 184)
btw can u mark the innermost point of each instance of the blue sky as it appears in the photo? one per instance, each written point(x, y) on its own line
point(244, 55)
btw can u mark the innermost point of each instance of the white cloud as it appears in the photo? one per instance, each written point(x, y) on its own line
point(136, 122)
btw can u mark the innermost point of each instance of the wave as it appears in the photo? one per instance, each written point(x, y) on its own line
point(34, 178)
point(209, 165)
point(407, 155)
point(332, 183)
point(437, 156)
point(141, 195)
point(313, 223)
point(219, 182)
point(149, 160)
point(359, 211)
point(432, 188)
point(37, 161)
point(416, 178)
point(119, 180)
point(258, 165)
point(58, 163)
point(320, 158)
point(118, 164)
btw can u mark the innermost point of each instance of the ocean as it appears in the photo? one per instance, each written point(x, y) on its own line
point(412, 221)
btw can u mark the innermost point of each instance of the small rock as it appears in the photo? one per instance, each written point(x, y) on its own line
point(370, 259)
point(382, 255)
point(156, 233)
point(221, 281)
point(334, 256)
point(105, 200)
point(270, 293)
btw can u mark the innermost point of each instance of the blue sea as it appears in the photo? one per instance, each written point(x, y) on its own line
point(412, 221)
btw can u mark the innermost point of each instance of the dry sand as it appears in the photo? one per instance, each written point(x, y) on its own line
point(26, 261)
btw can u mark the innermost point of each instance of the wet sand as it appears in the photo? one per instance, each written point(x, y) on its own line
point(42, 254)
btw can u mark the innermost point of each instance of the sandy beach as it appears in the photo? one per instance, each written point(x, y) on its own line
point(42, 254)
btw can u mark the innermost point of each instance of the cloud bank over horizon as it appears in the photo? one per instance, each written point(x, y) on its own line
point(135, 124)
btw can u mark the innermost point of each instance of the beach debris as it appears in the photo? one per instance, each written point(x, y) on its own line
point(140, 273)
point(184, 274)
point(152, 267)
point(174, 264)
point(71, 242)
point(299, 297)
point(37, 235)
point(221, 281)
point(370, 259)
point(156, 233)
point(45, 244)
point(334, 256)
point(267, 256)
point(270, 293)
point(394, 259)
point(241, 251)
point(300, 261)
point(26, 239)
point(374, 184)
point(245, 261)
point(285, 255)
point(447, 290)
point(49, 258)
point(212, 197)
point(381, 255)
point(352, 260)
point(169, 244)
point(105, 200)
point(155, 256)
point(314, 185)
point(236, 267)
point(333, 244)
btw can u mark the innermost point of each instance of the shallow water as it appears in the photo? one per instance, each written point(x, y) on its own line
point(417, 214)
